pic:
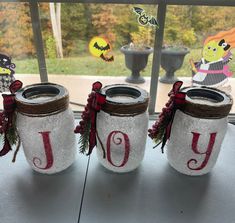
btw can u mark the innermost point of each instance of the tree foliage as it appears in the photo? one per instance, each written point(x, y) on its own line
point(185, 25)
point(16, 37)
point(104, 21)
point(75, 22)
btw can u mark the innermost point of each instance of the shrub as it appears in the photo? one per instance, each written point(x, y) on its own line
point(51, 47)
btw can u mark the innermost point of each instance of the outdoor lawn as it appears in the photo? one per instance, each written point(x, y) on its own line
point(89, 65)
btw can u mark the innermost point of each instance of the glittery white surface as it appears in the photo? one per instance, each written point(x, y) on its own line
point(136, 129)
point(179, 147)
point(61, 135)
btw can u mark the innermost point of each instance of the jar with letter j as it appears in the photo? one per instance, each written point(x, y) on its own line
point(45, 125)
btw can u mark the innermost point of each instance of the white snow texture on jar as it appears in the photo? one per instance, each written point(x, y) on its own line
point(45, 125)
point(122, 128)
point(198, 131)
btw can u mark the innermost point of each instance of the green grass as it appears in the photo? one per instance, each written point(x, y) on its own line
point(89, 65)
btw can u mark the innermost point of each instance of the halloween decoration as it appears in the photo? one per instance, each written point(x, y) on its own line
point(197, 126)
point(120, 126)
point(6, 72)
point(99, 47)
point(144, 19)
point(45, 125)
point(212, 70)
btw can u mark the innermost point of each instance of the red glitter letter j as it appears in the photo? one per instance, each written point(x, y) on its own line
point(48, 152)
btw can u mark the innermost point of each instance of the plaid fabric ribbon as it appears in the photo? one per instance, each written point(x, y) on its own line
point(162, 128)
point(7, 116)
point(95, 102)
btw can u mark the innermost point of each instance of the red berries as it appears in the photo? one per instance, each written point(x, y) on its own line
point(164, 118)
point(94, 102)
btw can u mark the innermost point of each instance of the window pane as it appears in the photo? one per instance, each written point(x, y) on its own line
point(79, 68)
point(189, 26)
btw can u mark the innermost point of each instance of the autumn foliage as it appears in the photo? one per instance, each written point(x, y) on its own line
point(187, 25)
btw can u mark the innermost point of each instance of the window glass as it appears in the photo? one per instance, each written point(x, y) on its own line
point(68, 28)
point(190, 26)
point(83, 62)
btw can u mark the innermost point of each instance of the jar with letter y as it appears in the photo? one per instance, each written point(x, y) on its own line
point(45, 125)
point(195, 123)
point(198, 130)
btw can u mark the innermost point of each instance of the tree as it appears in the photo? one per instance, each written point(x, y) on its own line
point(77, 28)
point(55, 13)
point(210, 20)
point(178, 28)
point(104, 21)
point(126, 24)
point(16, 36)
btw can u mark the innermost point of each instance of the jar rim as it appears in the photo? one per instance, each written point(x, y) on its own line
point(205, 102)
point(54, 99)
point(135, 100)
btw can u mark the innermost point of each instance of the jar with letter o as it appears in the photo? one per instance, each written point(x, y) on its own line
point(198, 130)
point(122, 127)
point(45, 125)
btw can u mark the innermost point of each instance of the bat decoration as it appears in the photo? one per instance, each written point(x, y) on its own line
point(144, 19)
point(107, 47)
point(107, 59)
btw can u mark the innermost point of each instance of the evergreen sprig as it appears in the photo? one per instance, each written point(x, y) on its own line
point(84, 138)
point(11, 134)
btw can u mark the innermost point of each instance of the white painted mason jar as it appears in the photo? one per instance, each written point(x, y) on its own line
point(45, 125)
point(198, 130)
point(122, 127)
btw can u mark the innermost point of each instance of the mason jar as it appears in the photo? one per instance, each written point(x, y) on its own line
point(198, 130)
point(122, 127)
point(45, 126)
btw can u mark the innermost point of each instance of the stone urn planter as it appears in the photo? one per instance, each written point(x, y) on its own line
point(136, 60)
point(171, 60)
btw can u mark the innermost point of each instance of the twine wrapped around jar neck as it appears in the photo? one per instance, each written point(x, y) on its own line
point(207, 103)
point(125, 100)
point(42, 99)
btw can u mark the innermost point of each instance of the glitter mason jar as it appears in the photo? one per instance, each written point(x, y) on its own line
point(198, 130)
point(45, 125)
point(122, 127)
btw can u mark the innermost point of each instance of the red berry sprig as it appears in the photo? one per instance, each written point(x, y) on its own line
point(85, 116)
point(87, 126)
point(158, 128)
point(160, 131)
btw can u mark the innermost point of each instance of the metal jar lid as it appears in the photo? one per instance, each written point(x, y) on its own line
point(204, 102)
point(135, 100)
point(42, 99)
